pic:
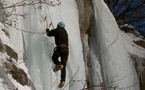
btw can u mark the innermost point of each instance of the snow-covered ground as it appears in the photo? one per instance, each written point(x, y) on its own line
point(4, 58)
point(131, 46)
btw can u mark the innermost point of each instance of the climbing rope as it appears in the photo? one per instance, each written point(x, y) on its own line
point(28, 31)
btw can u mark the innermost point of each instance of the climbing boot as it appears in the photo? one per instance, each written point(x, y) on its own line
point(61, 84)
point(58, 67)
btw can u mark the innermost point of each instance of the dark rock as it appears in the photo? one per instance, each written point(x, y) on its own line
point(139, 64)
point(6, 81)
point(9, 50)
point(30, 84)
point(86, 15)
point(6, 32)
point(18, 74)
point(140, 43)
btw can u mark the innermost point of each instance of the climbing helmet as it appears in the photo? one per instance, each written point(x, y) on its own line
point(61, 24)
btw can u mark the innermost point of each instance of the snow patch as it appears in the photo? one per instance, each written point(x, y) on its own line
point(131, 47)
point(2, 86)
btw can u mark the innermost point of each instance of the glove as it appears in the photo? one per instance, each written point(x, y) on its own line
point(47, 30)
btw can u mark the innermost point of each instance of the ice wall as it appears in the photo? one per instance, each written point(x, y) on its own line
point(117, 68)
point(39, 48)
point(16, 34)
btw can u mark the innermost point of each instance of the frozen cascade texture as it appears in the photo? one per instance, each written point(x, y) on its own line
point(117, 68)
point(39, 48)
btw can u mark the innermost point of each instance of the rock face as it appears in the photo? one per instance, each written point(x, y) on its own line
point(139, 64)
point(18, 74)
point(6, 80)
point(5, 48)
point(86, 14)
point(7, 67)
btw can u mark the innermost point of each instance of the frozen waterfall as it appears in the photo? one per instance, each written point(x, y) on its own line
point(39, 48)
point(117, 68)
point(105, 44)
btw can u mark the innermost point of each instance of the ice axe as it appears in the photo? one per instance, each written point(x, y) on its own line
point(46, 23)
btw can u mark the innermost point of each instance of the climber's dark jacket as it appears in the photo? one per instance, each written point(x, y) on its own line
point(60, 34)
point(61, 49)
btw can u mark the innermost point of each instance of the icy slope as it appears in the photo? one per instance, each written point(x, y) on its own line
point(13, 72)
point(117, 68)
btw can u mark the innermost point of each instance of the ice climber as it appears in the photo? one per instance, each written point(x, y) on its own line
point(61, 50)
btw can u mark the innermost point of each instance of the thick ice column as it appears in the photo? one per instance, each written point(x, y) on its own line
point(39, 49)
point(117, 68)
